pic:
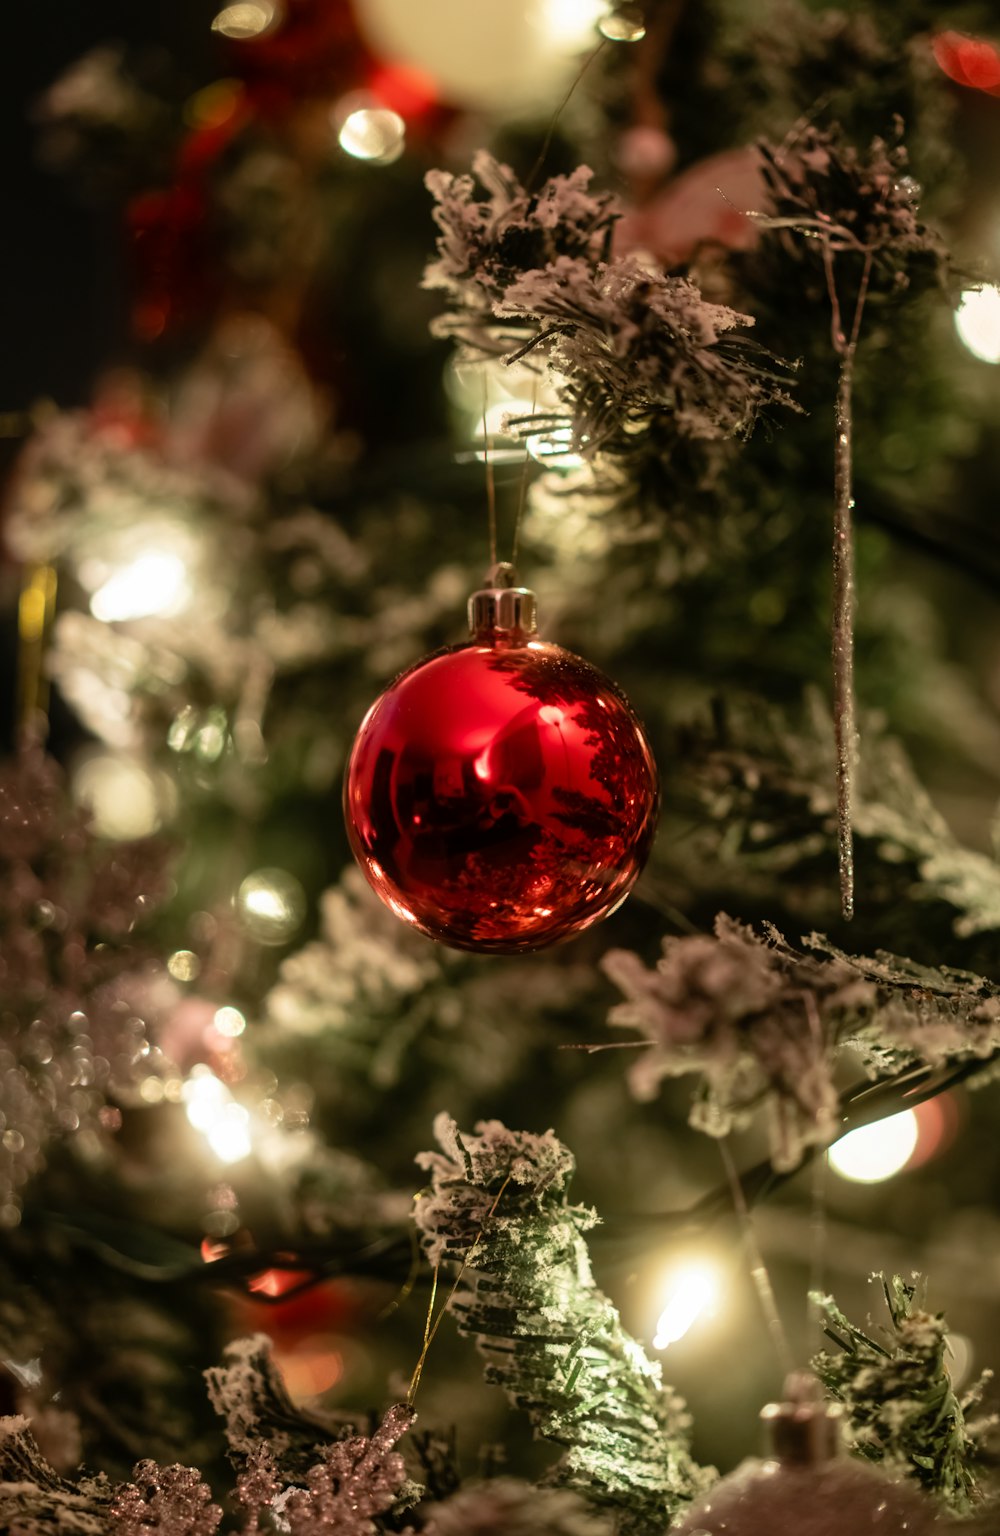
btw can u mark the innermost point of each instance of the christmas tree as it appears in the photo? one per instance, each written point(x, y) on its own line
point(368, 1162)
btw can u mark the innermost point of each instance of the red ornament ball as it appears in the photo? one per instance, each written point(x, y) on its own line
point(501, 795)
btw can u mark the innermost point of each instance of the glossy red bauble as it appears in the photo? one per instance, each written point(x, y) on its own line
point(501, 795)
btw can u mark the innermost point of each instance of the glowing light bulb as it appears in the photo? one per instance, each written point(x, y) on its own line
point(977, 321)
point(875, 1152)
point(211, 1109)
point(229, 1134)
point(153, 583)
point(249, 18)
point(376, 134)
point(569, 24)
point(691, 1291)
point(204, 1096)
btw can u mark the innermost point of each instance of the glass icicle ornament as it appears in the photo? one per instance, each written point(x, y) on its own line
point(807, 1487)
point(501, 795)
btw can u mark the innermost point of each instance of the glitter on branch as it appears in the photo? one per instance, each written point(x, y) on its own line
point(551, 1339)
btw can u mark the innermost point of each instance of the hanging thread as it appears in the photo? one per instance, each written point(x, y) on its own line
point(758, 1269)
point(491, 490)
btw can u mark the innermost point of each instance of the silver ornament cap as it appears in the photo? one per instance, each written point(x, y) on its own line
point(804, 1428)
point(501, 606)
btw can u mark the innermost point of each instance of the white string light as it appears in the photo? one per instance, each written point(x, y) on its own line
point(691, 1291)
point(875, 1152)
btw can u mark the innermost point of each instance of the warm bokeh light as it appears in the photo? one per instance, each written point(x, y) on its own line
point(875, 1152)
point(977, 321)
point(376, 134)
point(569, 24)
point(625, 24)
point(229, 1021)
point(248, 18)
point(125, 798)
point(229, 1134)
point(154, 583)
point(501, 56)
point(690, 1291)
point(211, 1109)
point(271, 905)
point(554, 449)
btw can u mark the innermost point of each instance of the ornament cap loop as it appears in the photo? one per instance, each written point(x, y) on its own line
point(501, 605)
point(804, 1428)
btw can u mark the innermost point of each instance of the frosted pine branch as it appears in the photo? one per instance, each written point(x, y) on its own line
point(901, 1406)
point(249, 1395)
point(551, 1339)
point(35, 1501)
point(760, 1025)
point(754, 1023)
point(636, 357)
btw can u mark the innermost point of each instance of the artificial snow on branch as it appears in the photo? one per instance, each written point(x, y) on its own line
point(497, 1206)
point(901, 1406)
point(763, 782)
point(760, 1025)
point(634, 355)
point(35, 1501)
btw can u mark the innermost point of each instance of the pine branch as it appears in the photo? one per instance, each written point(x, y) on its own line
point(638, 359)
point(901, 1405)
point(551, 1339)
point(249, 1395)
point(761, 1024)
point(34, 1501)
point(763, 781)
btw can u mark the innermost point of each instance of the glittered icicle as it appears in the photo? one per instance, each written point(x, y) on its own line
point(845, 732)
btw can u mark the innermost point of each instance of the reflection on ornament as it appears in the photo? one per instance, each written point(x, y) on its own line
point(690, 1292)
point(271, 905)
point(375, 134)
point(124, 796)
point(248, 18)
point(501, 794)
point(808, 1488)
point(504, 56)
point(977, 321)
point(153, 583)
point(875, 1152)
point(626, 24)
